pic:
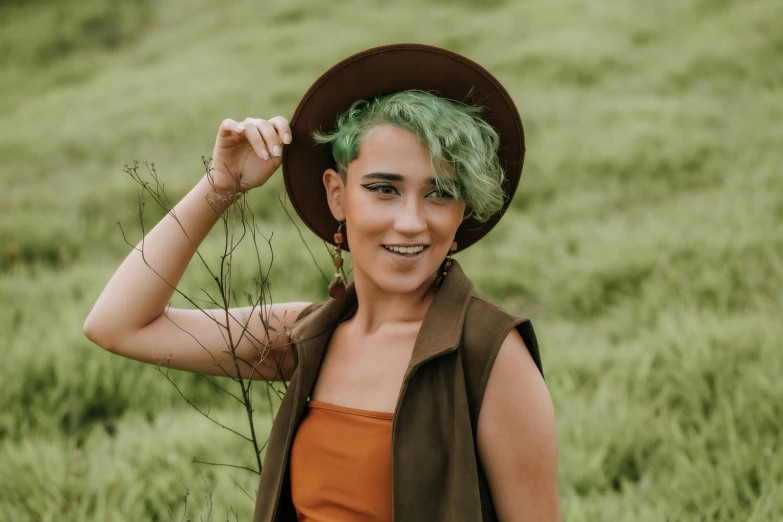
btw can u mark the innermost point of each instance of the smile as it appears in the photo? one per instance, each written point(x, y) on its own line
point(409, 251)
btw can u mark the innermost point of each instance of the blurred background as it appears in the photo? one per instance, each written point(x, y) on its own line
point(645, 241)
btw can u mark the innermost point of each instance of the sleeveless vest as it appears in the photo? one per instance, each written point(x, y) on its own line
point(436, 474)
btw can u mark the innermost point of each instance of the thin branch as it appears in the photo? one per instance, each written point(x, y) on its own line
point(210, 489)
point(315, 261)
point(195, 407)
point(219, 387)
point(243, 490)
point(185, 511)
point(225, 465)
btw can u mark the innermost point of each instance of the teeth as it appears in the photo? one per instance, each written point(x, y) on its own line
point(406, 250)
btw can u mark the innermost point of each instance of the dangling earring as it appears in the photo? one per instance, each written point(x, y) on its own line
point(337, 287)
point(446, 265)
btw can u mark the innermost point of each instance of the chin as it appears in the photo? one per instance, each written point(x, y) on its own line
point(394, 279)
point(400, 284)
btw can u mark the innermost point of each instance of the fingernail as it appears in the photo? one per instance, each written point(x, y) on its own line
point(286, 138)
point(276, 150)
point(265, 154)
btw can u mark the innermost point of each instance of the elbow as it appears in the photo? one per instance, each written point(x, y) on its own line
point(94, 334)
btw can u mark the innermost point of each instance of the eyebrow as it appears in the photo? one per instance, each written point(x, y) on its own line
point(390, 176)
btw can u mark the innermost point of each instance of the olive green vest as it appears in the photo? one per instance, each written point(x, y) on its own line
point(436, 475)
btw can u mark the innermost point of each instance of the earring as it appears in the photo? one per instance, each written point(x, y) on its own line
point(444, 268)
point(337, 287)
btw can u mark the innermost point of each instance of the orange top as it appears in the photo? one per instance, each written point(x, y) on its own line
point(341, 465)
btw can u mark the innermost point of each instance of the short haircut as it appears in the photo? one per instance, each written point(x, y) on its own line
point(463, 147)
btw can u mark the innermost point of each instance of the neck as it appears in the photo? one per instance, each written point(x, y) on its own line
point(379, 308)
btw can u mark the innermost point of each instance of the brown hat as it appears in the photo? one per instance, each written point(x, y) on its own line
point(385, 70)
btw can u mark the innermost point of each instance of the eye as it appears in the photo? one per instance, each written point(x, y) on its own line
point(441, 194)
point(381, 188)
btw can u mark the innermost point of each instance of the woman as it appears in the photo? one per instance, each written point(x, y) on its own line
point(426, 401)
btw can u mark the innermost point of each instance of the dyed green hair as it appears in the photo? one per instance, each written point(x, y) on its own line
point(463, 147)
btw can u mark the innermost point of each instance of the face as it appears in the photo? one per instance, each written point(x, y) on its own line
point(399, 226)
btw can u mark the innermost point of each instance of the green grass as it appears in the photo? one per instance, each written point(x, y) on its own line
point(646, 240)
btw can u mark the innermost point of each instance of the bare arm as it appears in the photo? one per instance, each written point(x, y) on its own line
point(129, 317)
point(189, 340)
point(517, 439)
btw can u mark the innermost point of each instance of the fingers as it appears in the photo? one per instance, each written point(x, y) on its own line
point(282, 127)
point(227, 128)
point(269, 133)
point(265, 136)
point(249, 129)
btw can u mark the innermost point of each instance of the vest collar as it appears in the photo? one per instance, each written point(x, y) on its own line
point(440, 332)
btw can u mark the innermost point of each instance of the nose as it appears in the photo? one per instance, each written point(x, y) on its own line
point(411, 220)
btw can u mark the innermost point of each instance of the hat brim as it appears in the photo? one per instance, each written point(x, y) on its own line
point(385, 70)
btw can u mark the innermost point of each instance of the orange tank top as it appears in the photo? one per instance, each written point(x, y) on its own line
point(340, 465)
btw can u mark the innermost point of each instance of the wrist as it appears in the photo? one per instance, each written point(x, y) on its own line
point(224, 184)
point(218, 195)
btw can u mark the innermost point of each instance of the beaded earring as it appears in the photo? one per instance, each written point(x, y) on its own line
point(444, 268)
point(337, 287)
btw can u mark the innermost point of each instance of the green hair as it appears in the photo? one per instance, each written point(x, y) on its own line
point(463, 147)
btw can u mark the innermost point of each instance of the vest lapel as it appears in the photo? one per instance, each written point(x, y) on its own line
point(431, 411)
point(441, 329)
point(311, 335)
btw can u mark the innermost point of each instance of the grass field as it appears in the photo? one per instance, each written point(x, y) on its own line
point(646, 240)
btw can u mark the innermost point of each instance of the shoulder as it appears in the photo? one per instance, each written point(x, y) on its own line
point(515, 374)
point(488, 327)
point(307, 310)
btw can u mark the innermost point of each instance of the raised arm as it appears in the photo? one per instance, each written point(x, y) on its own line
point(130, 316)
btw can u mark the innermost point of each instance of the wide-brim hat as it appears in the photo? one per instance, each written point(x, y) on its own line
point(385, 70)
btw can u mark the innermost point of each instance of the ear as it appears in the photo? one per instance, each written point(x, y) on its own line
point(335, 186)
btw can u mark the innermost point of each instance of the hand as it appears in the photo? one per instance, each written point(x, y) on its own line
point(251, 150)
